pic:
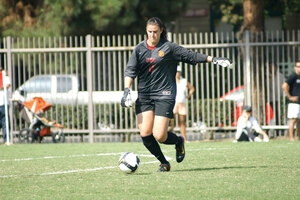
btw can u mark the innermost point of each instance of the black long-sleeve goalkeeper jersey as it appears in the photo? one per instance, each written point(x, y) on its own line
point(156, 68)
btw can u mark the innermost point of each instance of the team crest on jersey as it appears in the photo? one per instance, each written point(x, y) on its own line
point(161, 53)
point(166, 92)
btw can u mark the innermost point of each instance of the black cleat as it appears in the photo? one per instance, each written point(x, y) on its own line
point(180, 152)
point(164, 167)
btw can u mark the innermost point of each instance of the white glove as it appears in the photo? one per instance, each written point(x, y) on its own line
point(126, 100)
point(224, 62)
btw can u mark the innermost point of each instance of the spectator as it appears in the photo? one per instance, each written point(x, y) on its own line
point(4, 86)
point(245, 125)
point(184, 91)
point(291, 87)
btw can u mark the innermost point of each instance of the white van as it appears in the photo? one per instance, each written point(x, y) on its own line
point(52, 88)
point(63, 89)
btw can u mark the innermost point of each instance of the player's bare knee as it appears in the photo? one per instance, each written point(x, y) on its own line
point(145, 133)
point(160, 137)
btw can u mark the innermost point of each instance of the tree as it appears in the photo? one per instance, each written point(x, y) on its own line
point(80, 17)
point(253, 15)
point(254, 22)
point(233, 11)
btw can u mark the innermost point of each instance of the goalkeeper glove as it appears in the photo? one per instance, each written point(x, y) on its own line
point(126, 99)
point(224, 62)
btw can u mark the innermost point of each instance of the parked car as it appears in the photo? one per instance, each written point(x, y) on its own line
point(63, 89)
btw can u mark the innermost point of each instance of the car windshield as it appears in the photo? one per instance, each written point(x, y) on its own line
point(39, 84)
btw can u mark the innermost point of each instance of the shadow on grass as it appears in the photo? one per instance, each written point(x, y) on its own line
point(142, 174)
point(219, 168)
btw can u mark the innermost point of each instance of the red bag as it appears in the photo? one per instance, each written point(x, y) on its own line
point(45, 131)
point(1, 80)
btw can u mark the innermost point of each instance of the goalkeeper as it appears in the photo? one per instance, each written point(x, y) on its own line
point(154, 63)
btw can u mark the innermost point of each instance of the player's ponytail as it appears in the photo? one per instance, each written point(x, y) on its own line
point(158, 22)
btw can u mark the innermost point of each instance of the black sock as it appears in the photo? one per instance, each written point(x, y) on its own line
point(172, 138)
point(152, 145)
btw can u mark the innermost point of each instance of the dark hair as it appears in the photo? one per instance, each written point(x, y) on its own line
point(158, 22)
point(247, 108)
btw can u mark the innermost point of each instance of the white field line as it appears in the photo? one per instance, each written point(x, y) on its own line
point(78, 170)
point(70, 156)
point(209, 149)
point(101, 154)
point(89, 155)
point(89, 170)
point(197, 149)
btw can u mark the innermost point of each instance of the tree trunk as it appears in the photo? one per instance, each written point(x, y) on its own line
point(254, 22)
point(253, 15)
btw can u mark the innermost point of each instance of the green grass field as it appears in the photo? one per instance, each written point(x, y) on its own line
point(211, 170)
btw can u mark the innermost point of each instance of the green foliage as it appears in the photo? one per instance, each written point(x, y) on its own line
point(231, 11)
point(290, 7)
point(228, 11)
point(80, 17)
point(76, 116)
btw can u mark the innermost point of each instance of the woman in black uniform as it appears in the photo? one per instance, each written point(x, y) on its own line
point(154, 62)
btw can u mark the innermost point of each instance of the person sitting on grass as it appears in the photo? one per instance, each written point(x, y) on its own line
point(246, 124)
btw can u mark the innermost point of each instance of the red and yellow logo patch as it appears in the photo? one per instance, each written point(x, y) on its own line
point(161, 53)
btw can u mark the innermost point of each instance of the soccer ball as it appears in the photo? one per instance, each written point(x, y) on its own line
point(129, 162)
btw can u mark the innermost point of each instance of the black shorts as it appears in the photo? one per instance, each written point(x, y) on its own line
point(161, 107)
point(247, 135)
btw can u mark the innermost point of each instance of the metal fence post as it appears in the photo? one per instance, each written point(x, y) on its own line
point(248, 71)
point(9, 68)
point(89, 87)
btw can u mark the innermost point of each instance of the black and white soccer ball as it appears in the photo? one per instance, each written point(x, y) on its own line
point(129, 162)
